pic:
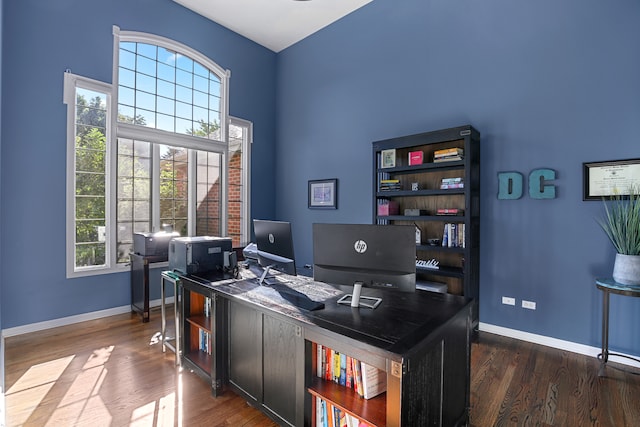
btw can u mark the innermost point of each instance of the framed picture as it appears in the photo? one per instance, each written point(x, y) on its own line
point(388, 158)
point(611, 178)
point(323, 194)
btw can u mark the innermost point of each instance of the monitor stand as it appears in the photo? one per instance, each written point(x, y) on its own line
point(357, 300)
point(264, 274)
point(266, 280)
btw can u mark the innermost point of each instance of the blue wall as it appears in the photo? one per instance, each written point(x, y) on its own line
point(41, 40)
point(548, 84)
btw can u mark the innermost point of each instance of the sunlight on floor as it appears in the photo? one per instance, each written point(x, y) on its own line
point(81, 403)
point(29, 391)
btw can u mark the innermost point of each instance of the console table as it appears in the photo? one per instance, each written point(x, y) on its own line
point(609, 286)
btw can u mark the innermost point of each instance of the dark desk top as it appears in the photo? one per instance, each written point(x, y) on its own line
point(400, 322)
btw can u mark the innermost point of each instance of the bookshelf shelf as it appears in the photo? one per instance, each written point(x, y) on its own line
point(202, 349)
point(372, 411)
point(419, 187)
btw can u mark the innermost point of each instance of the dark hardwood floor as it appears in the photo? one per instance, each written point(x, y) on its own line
point(111, 372)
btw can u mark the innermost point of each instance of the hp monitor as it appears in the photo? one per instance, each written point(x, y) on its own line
point(365, 255)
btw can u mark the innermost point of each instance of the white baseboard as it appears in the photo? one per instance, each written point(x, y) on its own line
point(556, 343)
point(64, 321)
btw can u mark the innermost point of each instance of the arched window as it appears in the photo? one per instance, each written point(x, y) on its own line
point(168, 153)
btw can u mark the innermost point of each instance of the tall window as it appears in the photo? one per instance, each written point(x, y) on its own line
point(173, 162)
point(88, 104)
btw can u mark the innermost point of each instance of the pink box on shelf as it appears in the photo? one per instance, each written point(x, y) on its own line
point(416, 158)
point(390, 208)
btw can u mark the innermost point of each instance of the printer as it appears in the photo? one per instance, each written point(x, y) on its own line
point(153, 244)
point(200, 254)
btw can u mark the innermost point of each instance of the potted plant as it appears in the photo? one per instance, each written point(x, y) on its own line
point(621, 222)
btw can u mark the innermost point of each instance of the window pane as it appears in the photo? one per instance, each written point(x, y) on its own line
point(90, 255)
point(127, 59)
point(185, 63)
point(208, 194)
point(167, 89)
point(145, 83)
point(147, 50)
point(126, 77)
point(146, 65)
point(133, 193)
point(90, 161)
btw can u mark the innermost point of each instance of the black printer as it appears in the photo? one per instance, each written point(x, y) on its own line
point(153, 244)
point(190, 255)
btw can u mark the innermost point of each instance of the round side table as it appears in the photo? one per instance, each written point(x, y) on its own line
point(609, 286)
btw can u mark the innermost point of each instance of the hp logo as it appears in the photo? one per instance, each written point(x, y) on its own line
point(360, 246)
point(271, 238)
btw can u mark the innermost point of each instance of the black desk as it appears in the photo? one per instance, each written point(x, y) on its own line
point(609, 286)
point(421, 340)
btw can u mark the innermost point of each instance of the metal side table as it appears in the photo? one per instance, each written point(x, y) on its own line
point(173, 343)
point(609, 286)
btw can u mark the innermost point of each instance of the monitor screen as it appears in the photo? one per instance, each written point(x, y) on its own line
point(365, 255)
point(275, 246)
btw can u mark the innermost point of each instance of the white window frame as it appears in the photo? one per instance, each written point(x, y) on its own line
point(114, 130)
point(71, 83)
point(245, 227)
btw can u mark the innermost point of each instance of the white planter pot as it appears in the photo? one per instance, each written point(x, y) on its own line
point(626, 269)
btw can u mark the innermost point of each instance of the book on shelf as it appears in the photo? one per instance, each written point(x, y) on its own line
point(449, 211)
point(390, 185)
point(374, 381)
point(450, 186)
point(329, 415)
point(454, 235)
point(448, 159)
point(366, 380)
point(448, 152)
point(388, 158)
point(447, 183)
point(416, 158)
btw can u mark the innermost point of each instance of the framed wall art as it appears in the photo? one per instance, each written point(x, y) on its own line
point(323, 194)
point(610, 178)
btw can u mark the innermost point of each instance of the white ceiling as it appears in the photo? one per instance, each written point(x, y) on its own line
point(275, 24)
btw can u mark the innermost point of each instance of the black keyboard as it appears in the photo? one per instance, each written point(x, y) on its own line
point(296, 298)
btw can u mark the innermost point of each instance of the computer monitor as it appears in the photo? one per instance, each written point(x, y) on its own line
point(365, 255)
point(275, 247)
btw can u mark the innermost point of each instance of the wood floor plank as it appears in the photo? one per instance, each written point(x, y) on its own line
point(112, 372)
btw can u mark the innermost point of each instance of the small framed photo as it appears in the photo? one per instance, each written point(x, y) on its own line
point(611, 178)
point(323, 194)
point(388, 158)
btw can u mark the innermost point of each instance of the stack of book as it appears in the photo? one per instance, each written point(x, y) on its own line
point(448, 155)
point(448, 183)
point(366, 380)
point(390, 185)
point(453, 236)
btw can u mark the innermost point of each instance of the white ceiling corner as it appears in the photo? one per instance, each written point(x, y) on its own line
point(274, 24)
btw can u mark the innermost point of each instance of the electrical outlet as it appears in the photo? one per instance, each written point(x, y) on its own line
point(508, 301)
point(529, 304)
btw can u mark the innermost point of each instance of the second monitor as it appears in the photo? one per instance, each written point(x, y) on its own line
point(275, 247)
